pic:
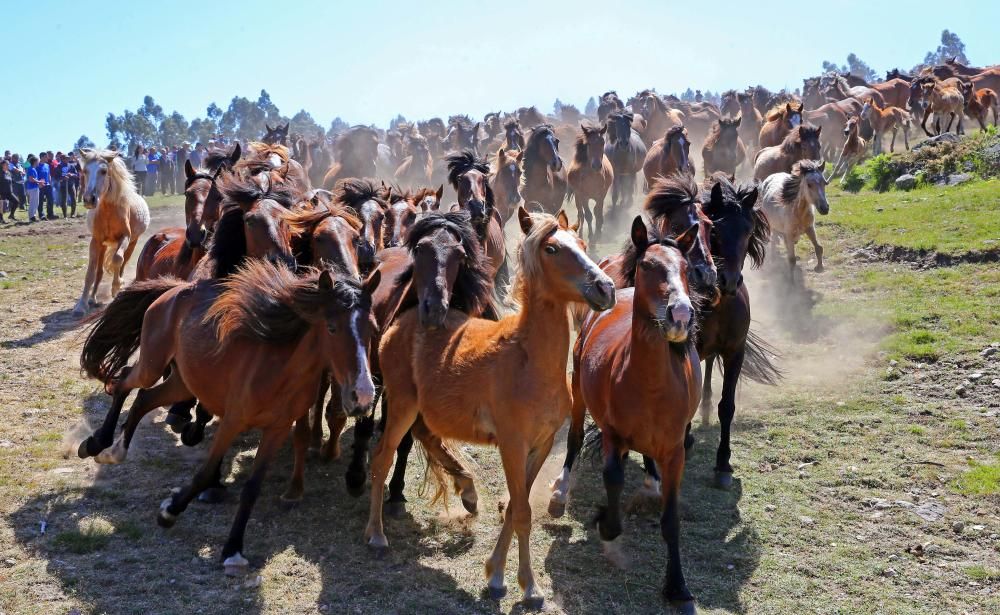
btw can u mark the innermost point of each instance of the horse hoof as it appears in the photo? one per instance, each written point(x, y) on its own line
point(165, 518)
point(684, 607)
point(497, 592)
point(193, 434)
point(79, 312)
point(287, 502)
point(723, 480)
point(235, 565)
point(471, 505)
point(212, 495)
point(379, 546)
point(177, 422)
point(818, 269)
point(355, 483)
point(395, 509)
point(82, 452)
point(556, 508)
point(688, 442)
point(533, 603)
point(312, 452)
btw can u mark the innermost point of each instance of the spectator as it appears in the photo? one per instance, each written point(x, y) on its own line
point(151, 169)
point(198, 155)
point(18, 173)
point(32, 188)
point(8, 200)
point(139, 166)
point(180, 157)
point(69, 175)
point(45, 192)
point(166, 171)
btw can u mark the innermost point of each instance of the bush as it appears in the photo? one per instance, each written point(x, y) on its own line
point(853, 180)
point(882, 172)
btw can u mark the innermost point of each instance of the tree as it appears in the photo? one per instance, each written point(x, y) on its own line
point(557, 108)
point(855, 66)
point(173, 129)
point(303, 124)
point(337, 126)
point(951, 47)
point(687, 95)
point(591, 108)
point(213, 112)
point(82, 142)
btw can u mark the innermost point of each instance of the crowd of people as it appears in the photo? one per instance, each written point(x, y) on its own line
point(40, 184)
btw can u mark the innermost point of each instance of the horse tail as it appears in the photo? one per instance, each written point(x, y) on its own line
point(758, 364)
point(440, 473)
point(115, 331)
point(109, 256)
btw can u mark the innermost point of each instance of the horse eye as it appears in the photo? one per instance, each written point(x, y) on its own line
point(551, 249)
point(645, 265)
point(104, 171)
point(332, 328)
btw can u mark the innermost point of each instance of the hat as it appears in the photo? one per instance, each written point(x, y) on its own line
point(185, 144)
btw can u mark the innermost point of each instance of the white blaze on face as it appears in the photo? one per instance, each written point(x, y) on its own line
point(275, 161)
point(796, 120)
point(363, 385)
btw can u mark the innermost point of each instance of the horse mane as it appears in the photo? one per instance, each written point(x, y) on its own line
point(228, 246)
point(216, 160)
point(120, 192)
point(261, 150)
point(473, 289)
point(244, 193)
point(732, 196)
point(461, 163)
point(792, 141)
point(670, 193)
point(580, 146)
point(528, 257)
point(712, 139)
point(790, 186)
point(303, 224)
point(777, 112)
point(272, 304)
point(672, 132)
point(631, 255)
point(354, 192)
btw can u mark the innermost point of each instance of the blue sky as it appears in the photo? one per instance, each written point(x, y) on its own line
point(366, 61)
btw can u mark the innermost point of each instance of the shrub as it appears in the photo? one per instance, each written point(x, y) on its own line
point(853, 180)
point(882, 172)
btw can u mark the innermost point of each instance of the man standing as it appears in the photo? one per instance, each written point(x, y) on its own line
point(17, 174)
point(43, 178)
point(198, 155)
point(180, 157)
point(31, 187)
point(166, 171)
point(69, 176)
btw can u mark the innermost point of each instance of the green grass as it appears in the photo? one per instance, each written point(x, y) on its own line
point(947, 219)
point(91, 535)
point(980, 479)
point(982, 573)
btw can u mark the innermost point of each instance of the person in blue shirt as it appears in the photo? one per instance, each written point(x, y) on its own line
point(31, 187)
point(151, 169)
point(45, 192)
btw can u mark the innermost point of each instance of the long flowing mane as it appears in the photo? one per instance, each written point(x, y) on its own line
point(669, 194)
point(272, 304)
point(262, 151)
point(461, 163)
point(303, 223)
point(528, 255)
point(120, 191)
point(354, 192)
point(791, 184)
point(244, 193)
point(732, 196)
point(473, 289)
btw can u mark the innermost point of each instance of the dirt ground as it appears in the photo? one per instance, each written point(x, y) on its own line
point(844, 498)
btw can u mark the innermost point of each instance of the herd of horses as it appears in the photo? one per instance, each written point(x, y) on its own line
point(302, 289)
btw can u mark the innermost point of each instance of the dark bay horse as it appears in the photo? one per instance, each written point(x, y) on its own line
point(635, 368)
point(590, 176)
point(668, 156)
point(277, 135)
point(505, 180)
point(469, 176)
point(354, 155)
point(264, 325)
point(366, 198)
point(544, 176)
point(626, 152)
point(723, 150)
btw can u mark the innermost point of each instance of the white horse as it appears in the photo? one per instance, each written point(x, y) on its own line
point(788, 200)
point(117, 217)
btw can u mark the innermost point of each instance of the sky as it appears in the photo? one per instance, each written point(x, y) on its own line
point(368, 60)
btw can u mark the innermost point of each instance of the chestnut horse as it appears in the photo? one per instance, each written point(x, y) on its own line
point(417, 167)
point(780, 121)
point(978, 105)
point(400, 215)
point(590, 176)
point(469, 176)
point(943, 98)
point(513, 136)
point(853, 150)
point(668, 155)
point(501, 383)
point(788, 200)
point(544, 176)
point(627, 152)
point(365, 197)
point(884, 120)
point(505, 180)
point(723, 150)
point(263, 325)
point(800, 144)
point(635, 368)
point(354, 155)
point(117, 216)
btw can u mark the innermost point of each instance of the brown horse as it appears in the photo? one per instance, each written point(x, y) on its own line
point(853, 150)
point(501, 383)
point(724, 150)
point(800, 144)
point(943, 99)
point(277, 135)
point(978, 105)
point(780, 121)
point(635, 368)
point(354, 155)
point(608, 104)
point(251, 349)
point(417, 167)
point(366, 198)
point(505, 180)
point(513, 136)
point(590, 176)
point(832, 118)
point(400, 215)
point(884, 120)
point(428, 199)
point(741, 104)
point(668, 155)
point(469, 176)
point(544, 176)
point(659, 118)
point(284, 169)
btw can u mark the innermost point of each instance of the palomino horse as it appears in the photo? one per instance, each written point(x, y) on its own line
point(469, 176)
point(635, 368)
point(788, 200)
point(117, 217)
point(802, 143)
point(627, 152)
point(263, 326)
point(724, 150)
point(365, 197)
point(505, 181)
point(853, 150)
point(501, 383)
point(354, 155)
point(780, 122)
point(884, 120)
point(590, 176)
point(668, 155)
point(544, 176)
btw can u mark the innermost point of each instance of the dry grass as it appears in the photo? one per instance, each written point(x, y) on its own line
point(831, 468)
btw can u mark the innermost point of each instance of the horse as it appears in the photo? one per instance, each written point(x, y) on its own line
point(627, 152)
point(590, 176)
point(853, 150)
point(277, 135)
point(417, 167)
point(884, 120)
point(513, 136)
point(117, 216)
point(428, 199)
point(832, 118)
point(839, 89)
point(469, 176)
point(942, 99)
point(365, 197)
point(799, 144)
point(265, 326)
point(669, 155)
point(978, 105)
point(544, 176)
point(635, 368)
point(529, 117)
point(741, 104)
point(609, 103)
point(788, 200)
point(780, 121)
point(284, 169)
point(501, 383)
point(400, 216)
point(505, 181)
point(724, 150)
point(659, 119)
point(462, 134)
point(354, 155)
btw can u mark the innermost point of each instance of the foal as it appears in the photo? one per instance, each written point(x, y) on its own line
point(853, 150)
point(884, 120)
point(501, 383)
point(788, 200)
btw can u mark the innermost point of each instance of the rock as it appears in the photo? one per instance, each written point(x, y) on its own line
point(947, 137)
point(906, 182)
point(807, 521)
point(989, 351)
point(976, 376)
point(929, 511)
point(3, 274)
point(961, 391)
point(890, 573)
point(770, 507)
point(957, 527)
point(253, 582)
point(996, 382)
point(958, 178)
point(893, 363)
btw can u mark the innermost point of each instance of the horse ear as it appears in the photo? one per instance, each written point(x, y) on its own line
point(325, 281)
point(188, 169)
point(749, 199)
point(563, 219)
point(686, 240)
point(717, 198)
point(788, 107)
point(237, 153)
point(604, 127)
point(524, 219)
point(369, 285)
point(639, 234)
point(268, 128)
point(439, 194)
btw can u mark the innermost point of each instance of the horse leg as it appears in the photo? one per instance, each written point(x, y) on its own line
point(232, 552)
point(396, 504)
point(88, 281)
point(397, 425)
point(193, 433)
point(599, 211)
point(811, 232)
point(118, 265)
point(179, 415)
point(103, 437)
point(608, 521)
point(515, 471)
point(443, 456)
point(300, 442)
point(790, 248)
point(923, 122)
point(147, 400)
point(316, 415)
point(355, 476)
point(533, 597)
point(675, 589)
point(651, 483)
point(706, 393)
point(727, 409)
point(574, 441)
point(336, 420)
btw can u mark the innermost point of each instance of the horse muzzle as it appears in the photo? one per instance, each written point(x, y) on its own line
point(195, 238)
point(600, 294)
point(432, 313)
point(730, 284)
point(557, 164)
point(823, 208)
point(357, 400)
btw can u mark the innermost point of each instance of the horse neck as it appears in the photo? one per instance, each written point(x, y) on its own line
point(543, 326)
point(647, 356)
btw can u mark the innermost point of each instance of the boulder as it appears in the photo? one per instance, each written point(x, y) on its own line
point(906, 182)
